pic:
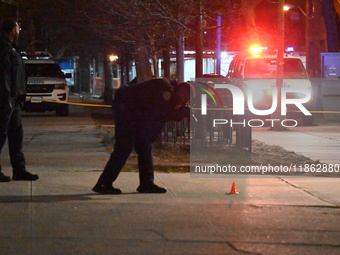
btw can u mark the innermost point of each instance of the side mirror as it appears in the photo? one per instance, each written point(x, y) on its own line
point(68, 75)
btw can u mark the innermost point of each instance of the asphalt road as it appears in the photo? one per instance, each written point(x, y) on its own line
point(318, 142)
point(59, 214)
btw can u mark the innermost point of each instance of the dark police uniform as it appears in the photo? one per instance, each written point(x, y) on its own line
point(12, 94)
point(140, 112)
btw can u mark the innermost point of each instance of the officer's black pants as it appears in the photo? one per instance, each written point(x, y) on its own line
point(131, 132)
point(11, 127)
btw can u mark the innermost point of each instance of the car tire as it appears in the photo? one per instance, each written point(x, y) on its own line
point(62, 110)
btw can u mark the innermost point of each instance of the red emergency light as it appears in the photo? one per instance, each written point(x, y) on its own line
point(256, 50)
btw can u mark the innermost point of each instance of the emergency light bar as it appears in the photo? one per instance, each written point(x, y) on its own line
point(257, 50)
point(36, 55)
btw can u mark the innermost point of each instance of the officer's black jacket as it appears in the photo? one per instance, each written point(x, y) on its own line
point(12, 76)
point(152, 100)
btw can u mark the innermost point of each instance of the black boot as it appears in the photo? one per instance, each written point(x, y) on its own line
point(151, 188)
point(4, 178)
point(24, 176)
point(105, 188)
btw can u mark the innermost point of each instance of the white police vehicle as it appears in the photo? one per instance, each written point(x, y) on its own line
point(258, 72)
point(45, 83)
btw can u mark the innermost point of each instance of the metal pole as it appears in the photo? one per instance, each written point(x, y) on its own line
point(218, 44)
point(280, 51)
point(307, 14)
point(94, 76)
point(279, 63)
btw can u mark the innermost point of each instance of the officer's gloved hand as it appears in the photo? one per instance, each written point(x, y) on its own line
point(184, 112)
point(179, 114)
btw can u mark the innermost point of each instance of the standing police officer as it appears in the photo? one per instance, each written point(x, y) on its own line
point(12, 95)
point(140, 112)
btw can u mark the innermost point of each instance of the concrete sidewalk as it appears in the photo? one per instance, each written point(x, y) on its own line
point(59, 214)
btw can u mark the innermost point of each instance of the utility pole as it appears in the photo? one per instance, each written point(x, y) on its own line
point(307, 27)
point(280, 49)
point(279, 64)
point(218, 44)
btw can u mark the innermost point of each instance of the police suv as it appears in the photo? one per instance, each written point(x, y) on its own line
point(258, 73)
point(45, 83)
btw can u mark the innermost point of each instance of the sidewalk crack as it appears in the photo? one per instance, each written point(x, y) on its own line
point(308, 192)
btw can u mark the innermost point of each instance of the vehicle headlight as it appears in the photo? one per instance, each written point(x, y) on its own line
point(60, 86)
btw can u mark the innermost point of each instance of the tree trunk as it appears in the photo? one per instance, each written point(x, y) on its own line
point(31, 32)
point(108, 80)
point(143, 66)
point(199, 47)
point(125, 71)
point(166, 62)
point(84, 74)
point(180, 58)
point(155, 65)
point(154, 58)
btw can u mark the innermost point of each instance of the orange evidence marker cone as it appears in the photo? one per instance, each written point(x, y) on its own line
point(233, 189)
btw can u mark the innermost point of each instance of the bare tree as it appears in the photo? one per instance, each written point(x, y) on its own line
point(122, 22)
point(148, 25)
point(331, 18)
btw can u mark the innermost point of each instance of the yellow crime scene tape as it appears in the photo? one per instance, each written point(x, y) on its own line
point(80, 104)
point(210, 109)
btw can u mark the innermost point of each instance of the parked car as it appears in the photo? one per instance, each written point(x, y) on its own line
point(46, 82)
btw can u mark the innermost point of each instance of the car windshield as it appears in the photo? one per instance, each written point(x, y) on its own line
point(266, 68)
point(43, 70)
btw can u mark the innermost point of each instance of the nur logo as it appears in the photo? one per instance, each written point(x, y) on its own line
point(245, 97)
point(211, 91)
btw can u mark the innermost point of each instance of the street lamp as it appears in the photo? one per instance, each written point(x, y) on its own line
point(287, 7)
point(113, 58)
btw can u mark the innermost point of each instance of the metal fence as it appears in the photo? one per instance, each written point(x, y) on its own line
point(203, 132)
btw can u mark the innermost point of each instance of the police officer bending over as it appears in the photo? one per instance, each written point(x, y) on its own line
point(12, 95)
point(140, 112)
